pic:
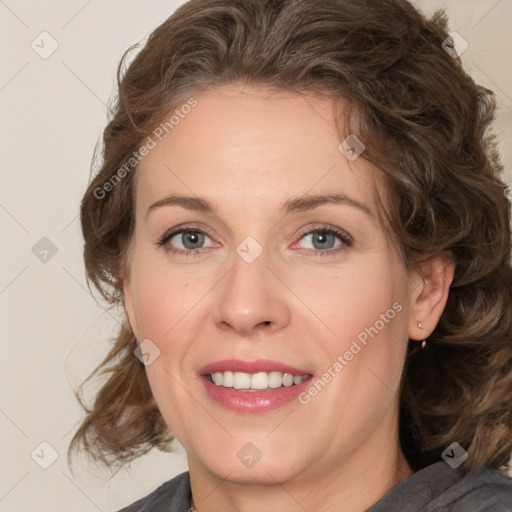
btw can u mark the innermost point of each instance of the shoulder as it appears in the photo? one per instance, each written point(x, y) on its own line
point(439, 488)
point(484, 490)
point(173, 495)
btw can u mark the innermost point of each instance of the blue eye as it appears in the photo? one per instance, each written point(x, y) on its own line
point(190, 239)
point(325, 240)
point(321, 239)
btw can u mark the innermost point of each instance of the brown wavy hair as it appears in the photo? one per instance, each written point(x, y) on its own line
point(425, 124)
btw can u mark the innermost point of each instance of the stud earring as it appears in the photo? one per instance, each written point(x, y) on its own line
point(420, 325)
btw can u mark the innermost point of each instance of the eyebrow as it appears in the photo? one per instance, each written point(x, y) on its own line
point(294, 204)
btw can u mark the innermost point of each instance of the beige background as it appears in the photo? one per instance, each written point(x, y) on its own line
point(53, 111)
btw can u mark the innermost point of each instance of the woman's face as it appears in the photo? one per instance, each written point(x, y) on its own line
point(284, 268)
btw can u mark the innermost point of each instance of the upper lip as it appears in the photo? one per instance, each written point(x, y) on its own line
point(252, 366)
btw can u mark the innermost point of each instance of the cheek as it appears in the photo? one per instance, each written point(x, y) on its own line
point(363, 312)
point(366, 294)
point(164, 295)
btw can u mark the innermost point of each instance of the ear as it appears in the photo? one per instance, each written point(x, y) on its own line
point(431, 285)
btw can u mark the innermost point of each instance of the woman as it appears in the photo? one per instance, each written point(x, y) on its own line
point(301, 213)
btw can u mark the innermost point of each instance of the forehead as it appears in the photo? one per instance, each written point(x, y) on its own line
point(255, 147)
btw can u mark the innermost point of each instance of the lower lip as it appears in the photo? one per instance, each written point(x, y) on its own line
point(254, 401)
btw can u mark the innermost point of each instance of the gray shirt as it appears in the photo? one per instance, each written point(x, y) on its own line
point(436, 488)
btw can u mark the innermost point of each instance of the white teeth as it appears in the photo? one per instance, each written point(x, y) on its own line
point(259, 381)
point(275, 380)
point(287, 380)
point(241, 380)
point(228, 380)
point(256, 381)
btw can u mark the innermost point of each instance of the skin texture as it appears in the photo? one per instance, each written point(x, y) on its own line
point(247, 151)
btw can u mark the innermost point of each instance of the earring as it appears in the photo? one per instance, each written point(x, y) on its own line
point(420, 326)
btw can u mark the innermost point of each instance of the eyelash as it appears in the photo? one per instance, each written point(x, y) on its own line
point(344, 237)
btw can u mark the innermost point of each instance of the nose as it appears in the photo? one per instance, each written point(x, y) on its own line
point(252, 299)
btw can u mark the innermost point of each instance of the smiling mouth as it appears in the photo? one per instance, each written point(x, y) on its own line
point(259, 381)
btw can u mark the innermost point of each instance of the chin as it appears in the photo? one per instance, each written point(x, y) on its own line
point(262, 473)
